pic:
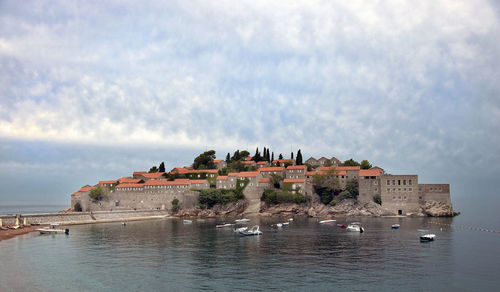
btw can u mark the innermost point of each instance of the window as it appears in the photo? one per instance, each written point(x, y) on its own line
point(375, 183)
point(394, 197)
point(409, 182)
point(399, 182)
point(388, 190)
point(405, 197)
point(404, 190)
point(420, 198)
point(388, 182)
point(404, 182)
point(376, 189)
point(410, 189)
point(393, 182)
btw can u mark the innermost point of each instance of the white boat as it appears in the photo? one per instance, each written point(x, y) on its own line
point(327, 221)
point(395, 226)
point(285, 223)
point(252, 231)
point(185, 221)
point(241, 220)
point(241, 229)
point(291, 219)
point(279, 225)
point(52, 231)
point(224, 225)
point(355, 227)
point(427, 237)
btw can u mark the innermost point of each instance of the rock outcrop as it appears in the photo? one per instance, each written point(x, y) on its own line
point(231, 209)
point(437, 209)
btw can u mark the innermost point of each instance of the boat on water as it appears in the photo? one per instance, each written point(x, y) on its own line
point(427, 237)
point(290, 219)
point(343, 226)
point(327, 221)
point(53, 230)
point(223, 225)
point(240, 229)
point(395, 226)
point(279, 225)
point(252, 231)
point(185, 221)
point(355, 227)
point(285, 224)
point(241, 220)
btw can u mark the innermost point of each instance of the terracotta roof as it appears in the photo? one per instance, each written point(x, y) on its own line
point(369, 172)
point(153, 175)
point(129, 180)
point(325, 168)
point(139, 172)
point(295, 180)
point(203, 171)
point(297, 167)
point(102, 182)
point(217, 161)
point(265, 180)
point(248, 162)
point(312, 172)
point(85, 188)
point(262, 162)
point(198, 181)
point(249, 158)
point(164, 182)
point(129, 186)
point(275, 168)
point(232, 174)
point(248, 174)
point(222, 177)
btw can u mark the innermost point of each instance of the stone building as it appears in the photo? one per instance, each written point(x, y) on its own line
point(399, 193)
point(296, 171)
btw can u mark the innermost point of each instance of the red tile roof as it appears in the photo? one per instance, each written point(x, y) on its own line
point(248, 162)
point(265, 180)
point(295, 180)
point(247, 174)
point(275, 168)
point(129, 186)
point(370, 172)
point(312, 172)
point(198, 181)
point(262, 162)
point(297, 167)
point(108, 182)
point(217, 161)
point(249, 158)
point(85, 188)
point(325, 168)
point(222, 177)
point(129, 180)
point(139, 172)
point(284, 161)
point(203, 171)
point(164, 182)
point(153, 175)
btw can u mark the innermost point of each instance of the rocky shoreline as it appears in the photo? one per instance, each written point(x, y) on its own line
point(345, 208)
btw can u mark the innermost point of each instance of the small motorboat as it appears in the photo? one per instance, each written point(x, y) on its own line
point(285, 224)
point(185, 221)
point(279, 225)
point(343, 226)
point(427, 237)
point(327, 221)
point(241, 229)
point(241, 220)
point(290, 219)
point(53, 231)
point(223, 225)
point(252, 231)
point(124, 224)
point(355, 227)
point(395, 226)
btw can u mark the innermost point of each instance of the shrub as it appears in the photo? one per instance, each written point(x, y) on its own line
point(271, 197)
point(175, 205)
point(377, 199)
point(211, 197)
point(98, 194)
point(77, 207)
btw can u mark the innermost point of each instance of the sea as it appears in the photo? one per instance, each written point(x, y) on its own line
point(170, 255)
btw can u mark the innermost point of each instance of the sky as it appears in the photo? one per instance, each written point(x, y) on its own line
point(94, 90)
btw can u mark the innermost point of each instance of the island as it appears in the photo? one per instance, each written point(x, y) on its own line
point(260, 184)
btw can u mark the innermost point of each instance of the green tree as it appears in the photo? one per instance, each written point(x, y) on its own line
point(299, 158)
point(162, 167)
point(175, 205)
point(244, 154)
point(280, 156)
point(365, 164)
point(351, 162)
point(205, 160)
point(236, 156)
point(228, 158)
point(377, 199)
point(256, 157)
point(272, 158)
point(98, 194)
point(291, 155)
point(153, 169)
point(77, 207)
point(352, 187)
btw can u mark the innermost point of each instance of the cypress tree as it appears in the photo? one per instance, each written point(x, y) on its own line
point(299, 158)
point(280, 157)
point(228, 158)
point(272, 157)
point(162, 167)
point(291, 155)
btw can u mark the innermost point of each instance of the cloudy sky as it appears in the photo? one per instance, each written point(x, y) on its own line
point(93, 91)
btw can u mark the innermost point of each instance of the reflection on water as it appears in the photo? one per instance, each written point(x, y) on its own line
point(169, 255)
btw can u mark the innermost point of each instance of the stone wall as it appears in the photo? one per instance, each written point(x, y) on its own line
point(80, 217)
point(434, 192)
point(368, 188)
point(399, 193)
point(138, 200)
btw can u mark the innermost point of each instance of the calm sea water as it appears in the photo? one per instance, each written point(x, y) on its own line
point(167, 255)
point(31, 209)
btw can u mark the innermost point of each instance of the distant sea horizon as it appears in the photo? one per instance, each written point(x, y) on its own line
point(31, 208)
